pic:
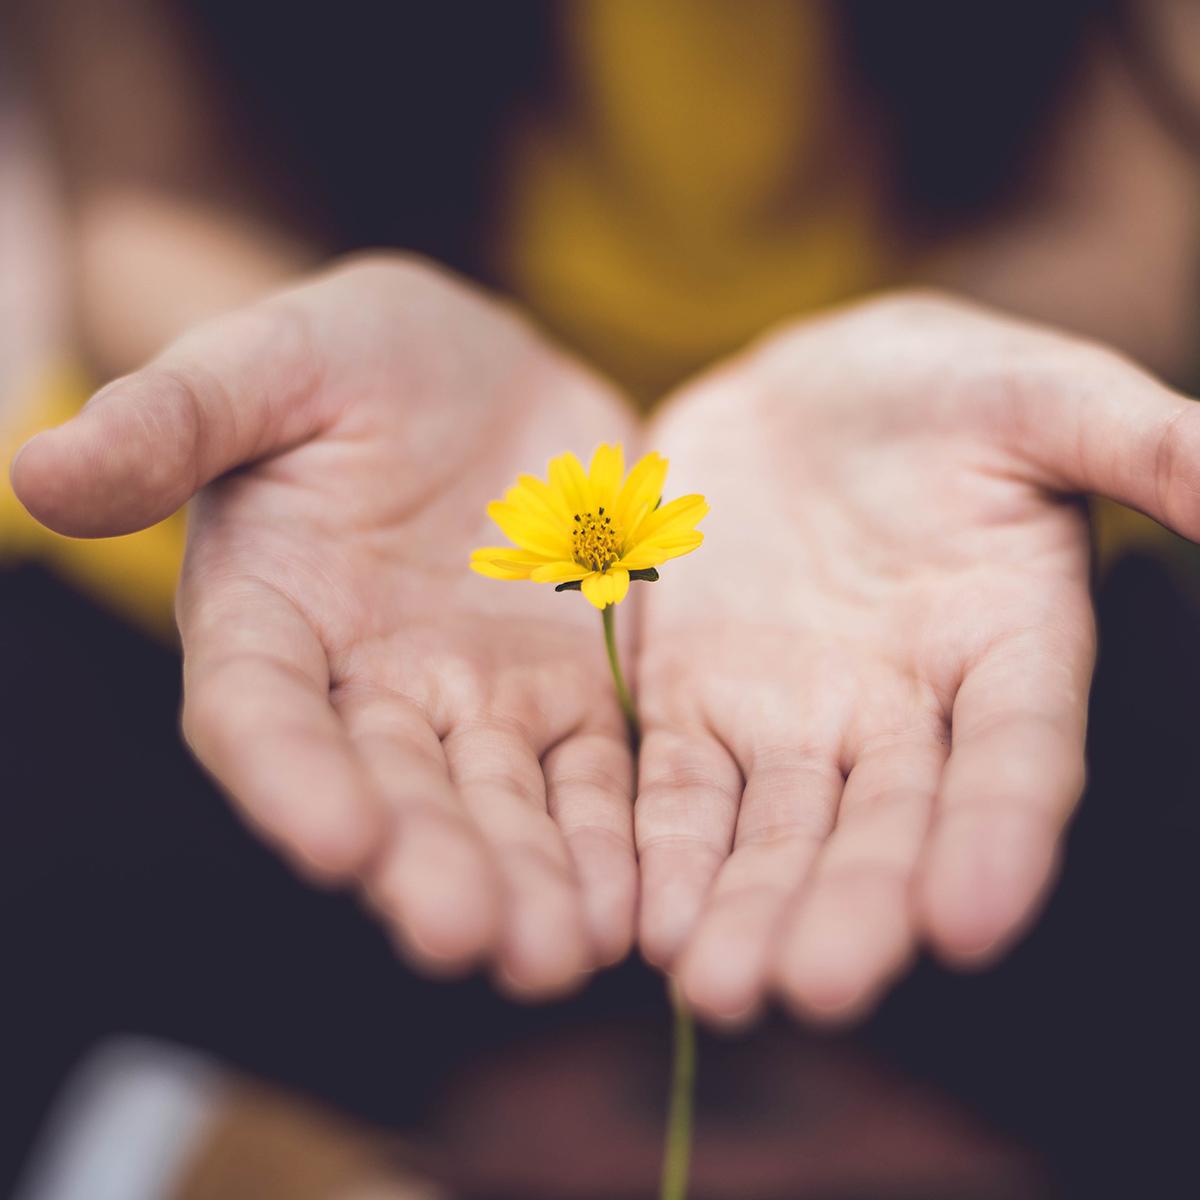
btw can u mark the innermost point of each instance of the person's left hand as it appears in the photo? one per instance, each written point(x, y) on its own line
point(864, 701)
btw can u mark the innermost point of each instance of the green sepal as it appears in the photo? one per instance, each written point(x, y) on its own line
point(645, 574)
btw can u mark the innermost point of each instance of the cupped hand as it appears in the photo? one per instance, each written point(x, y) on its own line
point(865, 699)
point(374, 707)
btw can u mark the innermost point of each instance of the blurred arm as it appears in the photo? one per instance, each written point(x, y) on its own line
point(1110, 245)
point(166, 223)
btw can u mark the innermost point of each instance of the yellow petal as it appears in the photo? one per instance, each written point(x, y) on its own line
point(595, 590)
point(541, 497)
point(559, 572)
point(609, 588)
point(568, 478)
point(680, 516)
point(641, 491)
point(683, 544)
point(498, 571)
point(654, 553)
point(530, 532)
point(529, 558)
point(676, 547)
point(529, 503)
point(607, 470)
point(618, 584)
point(641, 558)
point(504, 562)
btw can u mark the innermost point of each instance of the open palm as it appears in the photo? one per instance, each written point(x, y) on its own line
point(373, 706)
point(865, 700)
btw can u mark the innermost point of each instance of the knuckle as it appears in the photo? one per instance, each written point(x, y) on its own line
point(390, 271)
point(677, 761)
point(547, 857)
point(597, 765)
point(683, 844)
point(914, 304)
point(1176, 455)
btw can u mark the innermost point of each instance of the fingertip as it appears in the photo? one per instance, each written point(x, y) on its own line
point(330, 839)
point(673, 890)
point(722, 1017)
point(845, 946)
point(666, 921)
point(960, 931)
point(440, 951)
point(822, 983)
point(827, 985)
point(423, 962)
point(537, 986)
point(835, 999)
point(35, 482)
point(610, 923)
point(532, 969)
point(731, 999)
point(330, 834)
point(330, 848)
point(438, 891)
point(723, 968)
point(982, 885)
point(14, 469)
point(609, 886)
point(545, 951)
point(123, 463)
point(831, 1013)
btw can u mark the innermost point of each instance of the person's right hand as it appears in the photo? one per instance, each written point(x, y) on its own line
point(372, 705)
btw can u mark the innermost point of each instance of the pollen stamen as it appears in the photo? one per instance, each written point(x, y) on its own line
point(595, 543)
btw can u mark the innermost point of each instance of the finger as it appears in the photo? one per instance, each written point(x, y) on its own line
point(544, 946)
point(589, 782)
point(233, 390)
point(433, 877)
point(787, 811)
point(689, 789)
point(1099, 424)
point(851, 930)
point(258, 717)
point(1014, 775)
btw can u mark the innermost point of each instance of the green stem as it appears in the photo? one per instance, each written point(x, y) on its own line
point(624, 697)
point(679, 1113)
point(677, 1153)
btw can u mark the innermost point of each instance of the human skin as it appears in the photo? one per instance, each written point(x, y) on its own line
point(864, 697)
point(450, 746)
point(865, 700)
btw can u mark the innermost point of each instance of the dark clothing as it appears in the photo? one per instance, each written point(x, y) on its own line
point(133, 901)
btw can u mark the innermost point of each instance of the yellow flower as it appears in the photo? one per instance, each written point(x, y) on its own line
point(591, 530)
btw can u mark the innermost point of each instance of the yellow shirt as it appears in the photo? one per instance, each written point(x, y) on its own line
point(134, 575)
point(697, 185)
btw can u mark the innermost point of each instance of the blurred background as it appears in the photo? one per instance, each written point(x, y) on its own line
point(658, 181)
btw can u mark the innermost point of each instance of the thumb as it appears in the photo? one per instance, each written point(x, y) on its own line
point(1104, 426)
point(229, 392)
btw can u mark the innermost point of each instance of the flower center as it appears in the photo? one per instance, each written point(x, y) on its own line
point(595, 540)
